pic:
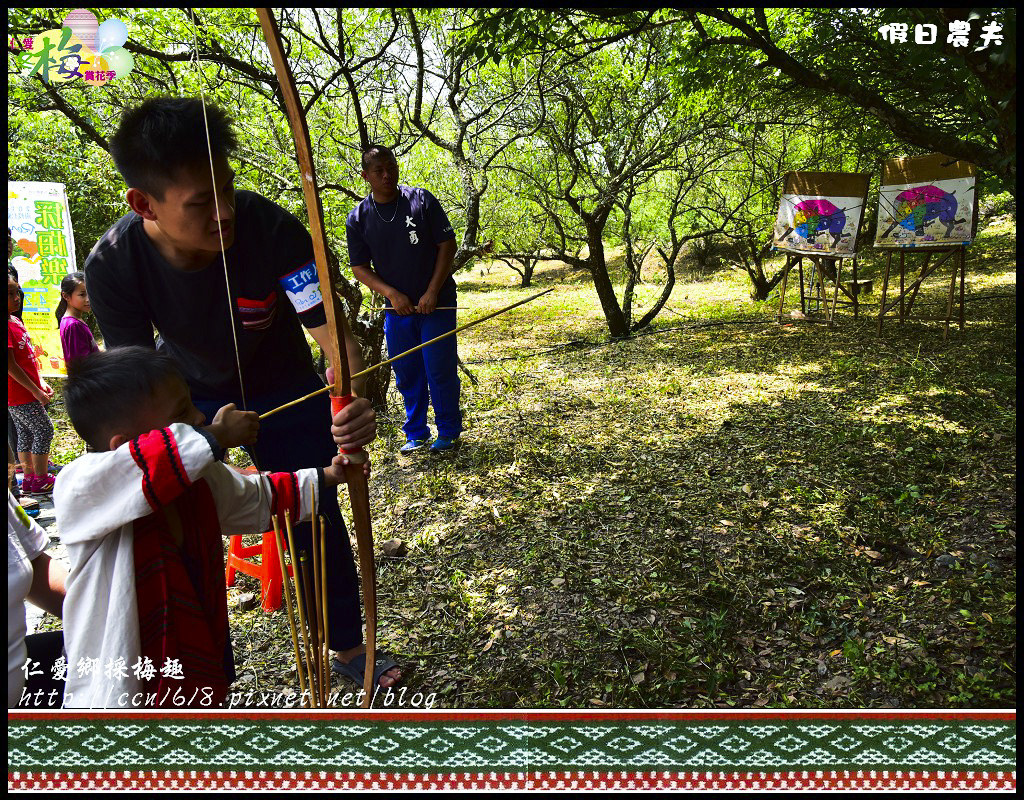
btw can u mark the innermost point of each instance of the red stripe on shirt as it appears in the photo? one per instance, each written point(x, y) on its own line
point(163, 474)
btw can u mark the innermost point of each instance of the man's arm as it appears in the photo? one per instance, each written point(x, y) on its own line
point(359, 256)
point(444, 239)
point(48, 577)
point(355, 353)
point(366, 276)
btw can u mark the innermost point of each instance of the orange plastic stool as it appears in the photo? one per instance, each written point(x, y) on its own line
point(268, 571)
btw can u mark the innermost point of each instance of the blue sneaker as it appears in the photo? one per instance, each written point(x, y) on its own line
point(442, 444)
point(412, 445)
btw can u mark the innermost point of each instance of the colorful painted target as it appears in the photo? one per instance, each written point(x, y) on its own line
point(918, 206)
point(812, 217)
point(820, 213)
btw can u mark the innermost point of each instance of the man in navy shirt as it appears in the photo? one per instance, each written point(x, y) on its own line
point(406, 236)
point(161, 266)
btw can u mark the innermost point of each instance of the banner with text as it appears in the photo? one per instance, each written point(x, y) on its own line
point(44, 252)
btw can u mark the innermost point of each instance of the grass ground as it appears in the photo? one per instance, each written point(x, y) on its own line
point(725, 512)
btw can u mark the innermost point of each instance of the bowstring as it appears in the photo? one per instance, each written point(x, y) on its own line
point(216, 207)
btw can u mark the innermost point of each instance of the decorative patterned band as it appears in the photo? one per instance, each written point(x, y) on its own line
point(403, 749)
point(749, 781)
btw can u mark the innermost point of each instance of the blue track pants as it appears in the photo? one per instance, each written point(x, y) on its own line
point(427, 376)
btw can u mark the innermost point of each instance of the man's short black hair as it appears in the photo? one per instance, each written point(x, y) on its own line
point(105, 390)
point(164, 134)
point(372, 151)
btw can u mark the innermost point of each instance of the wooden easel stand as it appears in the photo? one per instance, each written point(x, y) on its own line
point(908, 294)
point(823, 270)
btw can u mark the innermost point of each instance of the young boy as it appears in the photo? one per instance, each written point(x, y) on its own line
point(145, 619)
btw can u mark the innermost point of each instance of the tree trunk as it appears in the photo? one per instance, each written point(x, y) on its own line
point(529, 265)
point(666, 292)
point(370, 335)
point(377, 383)
point(471, 195)
point(762, 285)
point(617, 324)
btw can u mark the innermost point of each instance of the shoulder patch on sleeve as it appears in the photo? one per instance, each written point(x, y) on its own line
point(302, 287)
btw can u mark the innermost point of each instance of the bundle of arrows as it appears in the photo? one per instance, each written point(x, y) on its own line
point(307, 618)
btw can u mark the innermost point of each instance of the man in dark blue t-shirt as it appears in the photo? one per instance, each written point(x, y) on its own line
point(169, 264)
point(405, 234)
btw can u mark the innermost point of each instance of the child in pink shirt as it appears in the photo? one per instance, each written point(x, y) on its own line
point(75, 337)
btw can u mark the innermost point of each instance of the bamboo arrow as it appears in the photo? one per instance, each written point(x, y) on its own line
point(368, 370)
point(416, 308)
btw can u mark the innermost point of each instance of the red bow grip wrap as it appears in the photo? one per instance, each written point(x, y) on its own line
point(338, 403)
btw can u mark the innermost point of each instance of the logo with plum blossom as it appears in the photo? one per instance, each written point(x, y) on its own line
point(81, 49)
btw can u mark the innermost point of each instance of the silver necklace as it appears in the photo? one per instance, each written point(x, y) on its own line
point(372, 203)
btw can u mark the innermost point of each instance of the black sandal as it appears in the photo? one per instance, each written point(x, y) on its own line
point(356, 668)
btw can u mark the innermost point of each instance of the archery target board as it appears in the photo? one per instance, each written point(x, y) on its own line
point(820, 213)
point(928, 201)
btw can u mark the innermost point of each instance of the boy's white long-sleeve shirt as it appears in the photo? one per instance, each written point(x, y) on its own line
point(96, 500)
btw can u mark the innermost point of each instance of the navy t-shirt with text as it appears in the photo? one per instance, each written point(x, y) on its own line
point(274, 288)
point(399, 239)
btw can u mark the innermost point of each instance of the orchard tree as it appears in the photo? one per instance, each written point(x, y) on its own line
point(470, 108)
point(610, 125)
point(956, 96)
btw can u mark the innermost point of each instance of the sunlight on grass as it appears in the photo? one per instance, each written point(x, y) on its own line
point(726, 512)
point(890, 408)
point(429, 534)
point(994, 280)
point(487, 594)
point(690, 443)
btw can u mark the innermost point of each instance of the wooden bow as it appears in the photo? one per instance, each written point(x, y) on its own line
point(341, 394)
